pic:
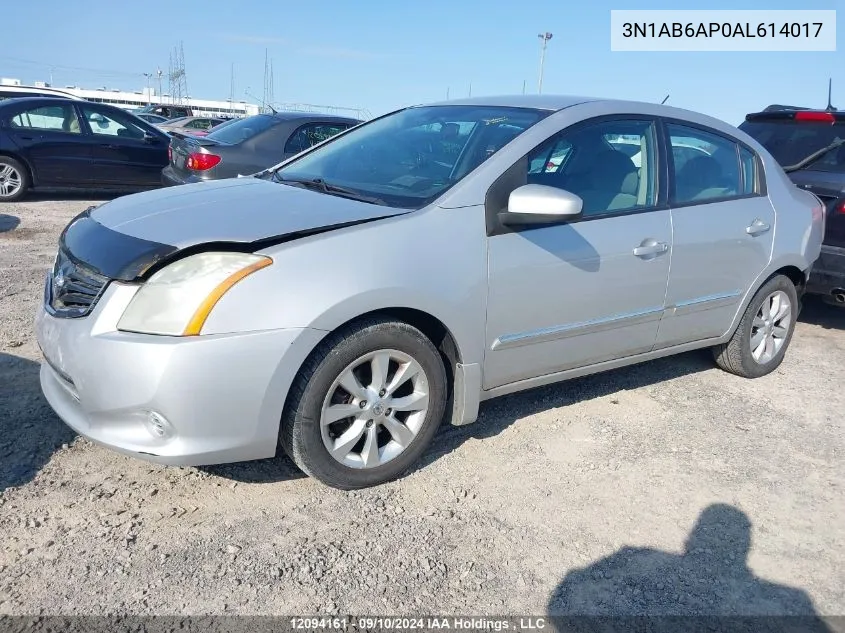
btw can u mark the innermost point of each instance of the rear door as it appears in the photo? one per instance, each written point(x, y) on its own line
point(51, 139)
point(722, 226)
point(122, 154)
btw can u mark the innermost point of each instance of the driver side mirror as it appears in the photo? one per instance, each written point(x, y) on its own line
point(151, 138)
point(540, 204)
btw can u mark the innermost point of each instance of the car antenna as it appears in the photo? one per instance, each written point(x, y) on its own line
point(665, 99)
point(830, 107)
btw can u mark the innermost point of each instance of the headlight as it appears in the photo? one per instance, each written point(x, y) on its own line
point(178, 299)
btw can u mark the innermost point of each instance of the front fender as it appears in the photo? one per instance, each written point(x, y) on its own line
point(433, 261)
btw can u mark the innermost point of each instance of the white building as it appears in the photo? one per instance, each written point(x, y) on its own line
point(141, 98)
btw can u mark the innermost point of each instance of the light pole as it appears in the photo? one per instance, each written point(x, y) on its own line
point(544, 38)
point(159, 73)
point(148, 75)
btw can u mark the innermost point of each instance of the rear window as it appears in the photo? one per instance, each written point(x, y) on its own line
point(791, 142)
point(243, 129)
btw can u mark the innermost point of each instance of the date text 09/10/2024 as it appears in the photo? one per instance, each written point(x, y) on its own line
point(458, 623)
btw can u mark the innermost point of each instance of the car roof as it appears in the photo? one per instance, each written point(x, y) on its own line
point(35, 100)
point(537, 102)
point(296, 116)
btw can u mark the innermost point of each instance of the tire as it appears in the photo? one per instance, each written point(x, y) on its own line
point(352, 350)
point(737, 356)
point(14, 179)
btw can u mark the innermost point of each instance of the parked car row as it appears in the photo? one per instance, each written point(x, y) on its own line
point(57, 143)
point(342, 303)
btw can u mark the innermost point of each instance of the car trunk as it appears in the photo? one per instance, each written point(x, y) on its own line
point(182, 146)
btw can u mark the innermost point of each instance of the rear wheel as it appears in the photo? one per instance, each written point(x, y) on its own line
point(365, 405)
point(759, 343)
point(14, 179)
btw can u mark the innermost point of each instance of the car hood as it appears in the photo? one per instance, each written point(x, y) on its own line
point(124, 238)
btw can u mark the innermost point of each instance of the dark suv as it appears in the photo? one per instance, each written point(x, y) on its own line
point(810, 146)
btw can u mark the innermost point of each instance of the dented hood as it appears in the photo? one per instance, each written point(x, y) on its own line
point(124, 238)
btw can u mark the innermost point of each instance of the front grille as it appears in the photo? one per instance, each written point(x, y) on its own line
point(73, 289)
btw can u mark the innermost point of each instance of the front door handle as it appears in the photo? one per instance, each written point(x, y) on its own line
point(757, 227)
point(650, 247)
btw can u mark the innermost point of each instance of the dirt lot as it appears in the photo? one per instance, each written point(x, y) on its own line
point(633, 491)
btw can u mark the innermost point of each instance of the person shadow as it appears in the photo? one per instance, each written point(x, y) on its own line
point(708, 587)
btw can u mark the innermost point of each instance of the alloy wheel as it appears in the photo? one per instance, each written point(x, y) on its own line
point(770, 327)
point(374, 409)
point(11, 181)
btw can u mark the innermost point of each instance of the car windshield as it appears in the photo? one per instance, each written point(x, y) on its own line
point(243, 129)
point(411, 157)
point(790, 142)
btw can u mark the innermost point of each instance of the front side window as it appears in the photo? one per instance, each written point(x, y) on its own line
point(411, 157)
point(56, 118)
point(111, 124)
point(705, 165)
point(311, 134)
point(610, 165)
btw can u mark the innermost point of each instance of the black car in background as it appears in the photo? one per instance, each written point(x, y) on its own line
point(60, 143)
point(810, 146)
point(248, 145)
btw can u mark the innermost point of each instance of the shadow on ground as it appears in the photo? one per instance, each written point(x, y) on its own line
point(498, 414)
point(8, 222)
point(29, 430)
point(710, 579)
point(817, 312)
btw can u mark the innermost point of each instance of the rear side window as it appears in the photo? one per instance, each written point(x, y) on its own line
point(57, 118)
point(311, 134)
point(708, 168)
point(244, 129)
point(748, 162)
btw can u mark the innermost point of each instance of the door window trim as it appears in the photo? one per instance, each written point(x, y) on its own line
point(517, 175)
point(760, 180)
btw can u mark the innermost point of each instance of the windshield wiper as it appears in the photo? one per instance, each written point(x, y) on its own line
point(804, 162)
point(318, 184)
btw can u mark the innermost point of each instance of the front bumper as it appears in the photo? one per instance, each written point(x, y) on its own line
point(828, 273)
point(221, 395)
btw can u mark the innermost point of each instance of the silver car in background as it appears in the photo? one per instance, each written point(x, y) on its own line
point(343, 303)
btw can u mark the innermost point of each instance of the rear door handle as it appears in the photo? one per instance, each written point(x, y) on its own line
point(650, 247)
point(108, 146)
point(757, 227)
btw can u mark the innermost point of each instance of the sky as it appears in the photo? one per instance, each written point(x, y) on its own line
point(379, 55)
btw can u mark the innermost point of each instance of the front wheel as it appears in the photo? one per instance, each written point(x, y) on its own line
point(759, 343)
point(365, 405)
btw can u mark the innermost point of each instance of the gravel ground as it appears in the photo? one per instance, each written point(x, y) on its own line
point(635, 491)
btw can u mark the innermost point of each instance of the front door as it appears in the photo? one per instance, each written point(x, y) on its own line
point(591, 290)
point(52, 140)
point(121, 154)
point(723, 233)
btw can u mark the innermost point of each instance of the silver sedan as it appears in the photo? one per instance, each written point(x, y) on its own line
point(343, 303)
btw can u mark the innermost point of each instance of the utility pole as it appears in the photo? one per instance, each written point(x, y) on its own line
point(470, 89)
point(523, 86)
point(544, 38)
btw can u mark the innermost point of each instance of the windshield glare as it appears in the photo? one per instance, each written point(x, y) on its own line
point(411, 157)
